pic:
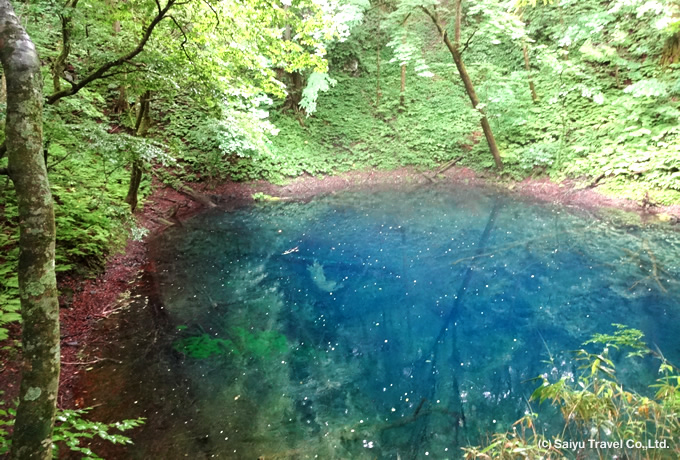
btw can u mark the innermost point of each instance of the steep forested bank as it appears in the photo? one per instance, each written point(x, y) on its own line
point(570, 89)
point(140, 93)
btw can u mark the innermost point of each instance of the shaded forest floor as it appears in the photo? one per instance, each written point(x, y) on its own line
point(86, 301)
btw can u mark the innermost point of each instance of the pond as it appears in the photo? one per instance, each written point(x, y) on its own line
point(393, 324)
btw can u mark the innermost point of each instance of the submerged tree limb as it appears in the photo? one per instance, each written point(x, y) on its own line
point(655, 270)
point(505, 248)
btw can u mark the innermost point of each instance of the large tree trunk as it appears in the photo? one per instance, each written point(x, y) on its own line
point(671, 50)
point(296, 84)
point(141, 126)
point(454, 49)
point(37, 283)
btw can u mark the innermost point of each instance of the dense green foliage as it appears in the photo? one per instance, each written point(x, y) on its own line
point(606, 106)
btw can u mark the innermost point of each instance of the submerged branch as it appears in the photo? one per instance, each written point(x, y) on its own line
point(506, 248)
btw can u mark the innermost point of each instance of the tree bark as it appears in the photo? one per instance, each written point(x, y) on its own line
point(37, 282)
point(3, 92)
point(671, 50)
point(454, 49)
point(121, 105)
point(402, 89)
point(66, 30)
point(378, 50)
point(135, 181)
point(136, 173)
point(297, 83)
point(527, 67)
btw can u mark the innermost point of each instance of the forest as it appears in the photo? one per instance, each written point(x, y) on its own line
point(106, 102)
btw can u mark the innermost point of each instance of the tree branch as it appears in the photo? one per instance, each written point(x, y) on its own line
point(101, 71)
point(432, 15)
point(185, 38)
point(459, 14)
point(467, 42)
point(435, 19)
point(217, 16)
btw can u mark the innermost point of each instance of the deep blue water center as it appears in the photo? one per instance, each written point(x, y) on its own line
point(392, 324)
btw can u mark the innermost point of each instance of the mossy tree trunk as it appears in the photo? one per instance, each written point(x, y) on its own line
point(671, 50)
point(136, 173)
point(37, 283)
point(454, 49)
point(3, 91)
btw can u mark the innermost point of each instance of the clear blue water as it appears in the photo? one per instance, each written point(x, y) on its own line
point(395, 324)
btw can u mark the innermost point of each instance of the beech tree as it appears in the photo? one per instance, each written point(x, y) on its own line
point(456, 50)
point(37, 280)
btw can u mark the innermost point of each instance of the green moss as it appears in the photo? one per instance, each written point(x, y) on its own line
point(258, 344)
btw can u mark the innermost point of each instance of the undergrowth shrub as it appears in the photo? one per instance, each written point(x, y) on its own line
point(597, 406)
point(72, 431)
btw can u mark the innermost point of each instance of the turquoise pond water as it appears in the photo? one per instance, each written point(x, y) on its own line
point(392, 324)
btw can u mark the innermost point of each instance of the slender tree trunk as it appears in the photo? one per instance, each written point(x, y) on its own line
point(378, 50)
point(616, 76)
point(527, 67)
point(454, 49)
point(295, 80)
point(402, 89)
point(136, 173)
point(37, 283)
point(121, 105)
point(66, 31)
point(135, 181)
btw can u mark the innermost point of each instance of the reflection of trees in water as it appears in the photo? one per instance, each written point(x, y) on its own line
point(451, 356)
